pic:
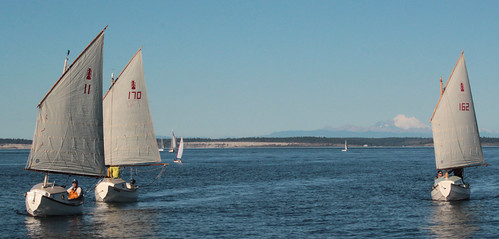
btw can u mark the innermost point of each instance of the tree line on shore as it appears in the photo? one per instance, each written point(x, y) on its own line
point(326, 141)
point(389, 141)
point(15, 141)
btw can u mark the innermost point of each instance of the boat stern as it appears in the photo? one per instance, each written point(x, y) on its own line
point(115, 190)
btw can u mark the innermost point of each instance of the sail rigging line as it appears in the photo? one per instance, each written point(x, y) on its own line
point(139, 165)
point(157, 177)
point(76, 60)
point(97, 181)
point(111, 128)
point(147, 170)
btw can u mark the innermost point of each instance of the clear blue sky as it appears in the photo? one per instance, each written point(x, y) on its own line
point(250, 68)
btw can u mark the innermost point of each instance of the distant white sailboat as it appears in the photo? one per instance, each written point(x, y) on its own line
point(455, 136)
point(180, 151)
point(346, 147)
point(173, 143)
point(68, 137)
point(129, 138)
point(161, 147)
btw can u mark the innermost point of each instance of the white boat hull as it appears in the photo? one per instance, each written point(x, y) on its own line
point(177, 161)
point(450, 189)
point(51, 201)
point(116, 190)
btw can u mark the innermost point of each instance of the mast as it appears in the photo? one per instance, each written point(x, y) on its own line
point(65, 63)
point(441, 89)
point(46, 179)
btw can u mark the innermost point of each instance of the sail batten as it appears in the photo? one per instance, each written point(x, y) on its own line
point(455, 130)
point(129, 137)
point(68, 138)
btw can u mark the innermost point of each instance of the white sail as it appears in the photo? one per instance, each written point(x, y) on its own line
point(68, 136)
point(180, 148)
point(129, 137)
point(173, 143)
point(346, 147)
point(161, 147)
point(455, 131)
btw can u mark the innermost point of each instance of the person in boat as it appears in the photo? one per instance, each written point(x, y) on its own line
point(74, 191)
point(439, 174)
point(113, 172)
point(458, 172)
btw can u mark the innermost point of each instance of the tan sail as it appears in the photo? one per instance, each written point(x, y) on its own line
point(68, 136)
point(455, 131)
point(129, 136)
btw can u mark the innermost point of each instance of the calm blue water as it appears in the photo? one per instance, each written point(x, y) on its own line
point(271, 193)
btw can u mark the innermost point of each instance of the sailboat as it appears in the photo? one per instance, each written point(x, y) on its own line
point(68, 138)
point(455, 136)
point(180, 151)
point(129, 138)
point(173, 143)
point(162, 146)
point(346, 147)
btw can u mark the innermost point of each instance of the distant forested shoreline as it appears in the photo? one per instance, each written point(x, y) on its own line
point(14, 141)
point(297, 141)
point(326, 141)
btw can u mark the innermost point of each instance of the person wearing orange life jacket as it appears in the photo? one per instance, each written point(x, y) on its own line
point(74, 191)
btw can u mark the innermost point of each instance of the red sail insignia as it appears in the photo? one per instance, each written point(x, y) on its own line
point(89, 74)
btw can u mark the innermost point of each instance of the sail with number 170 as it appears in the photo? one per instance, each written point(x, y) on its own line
point(129, 138)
